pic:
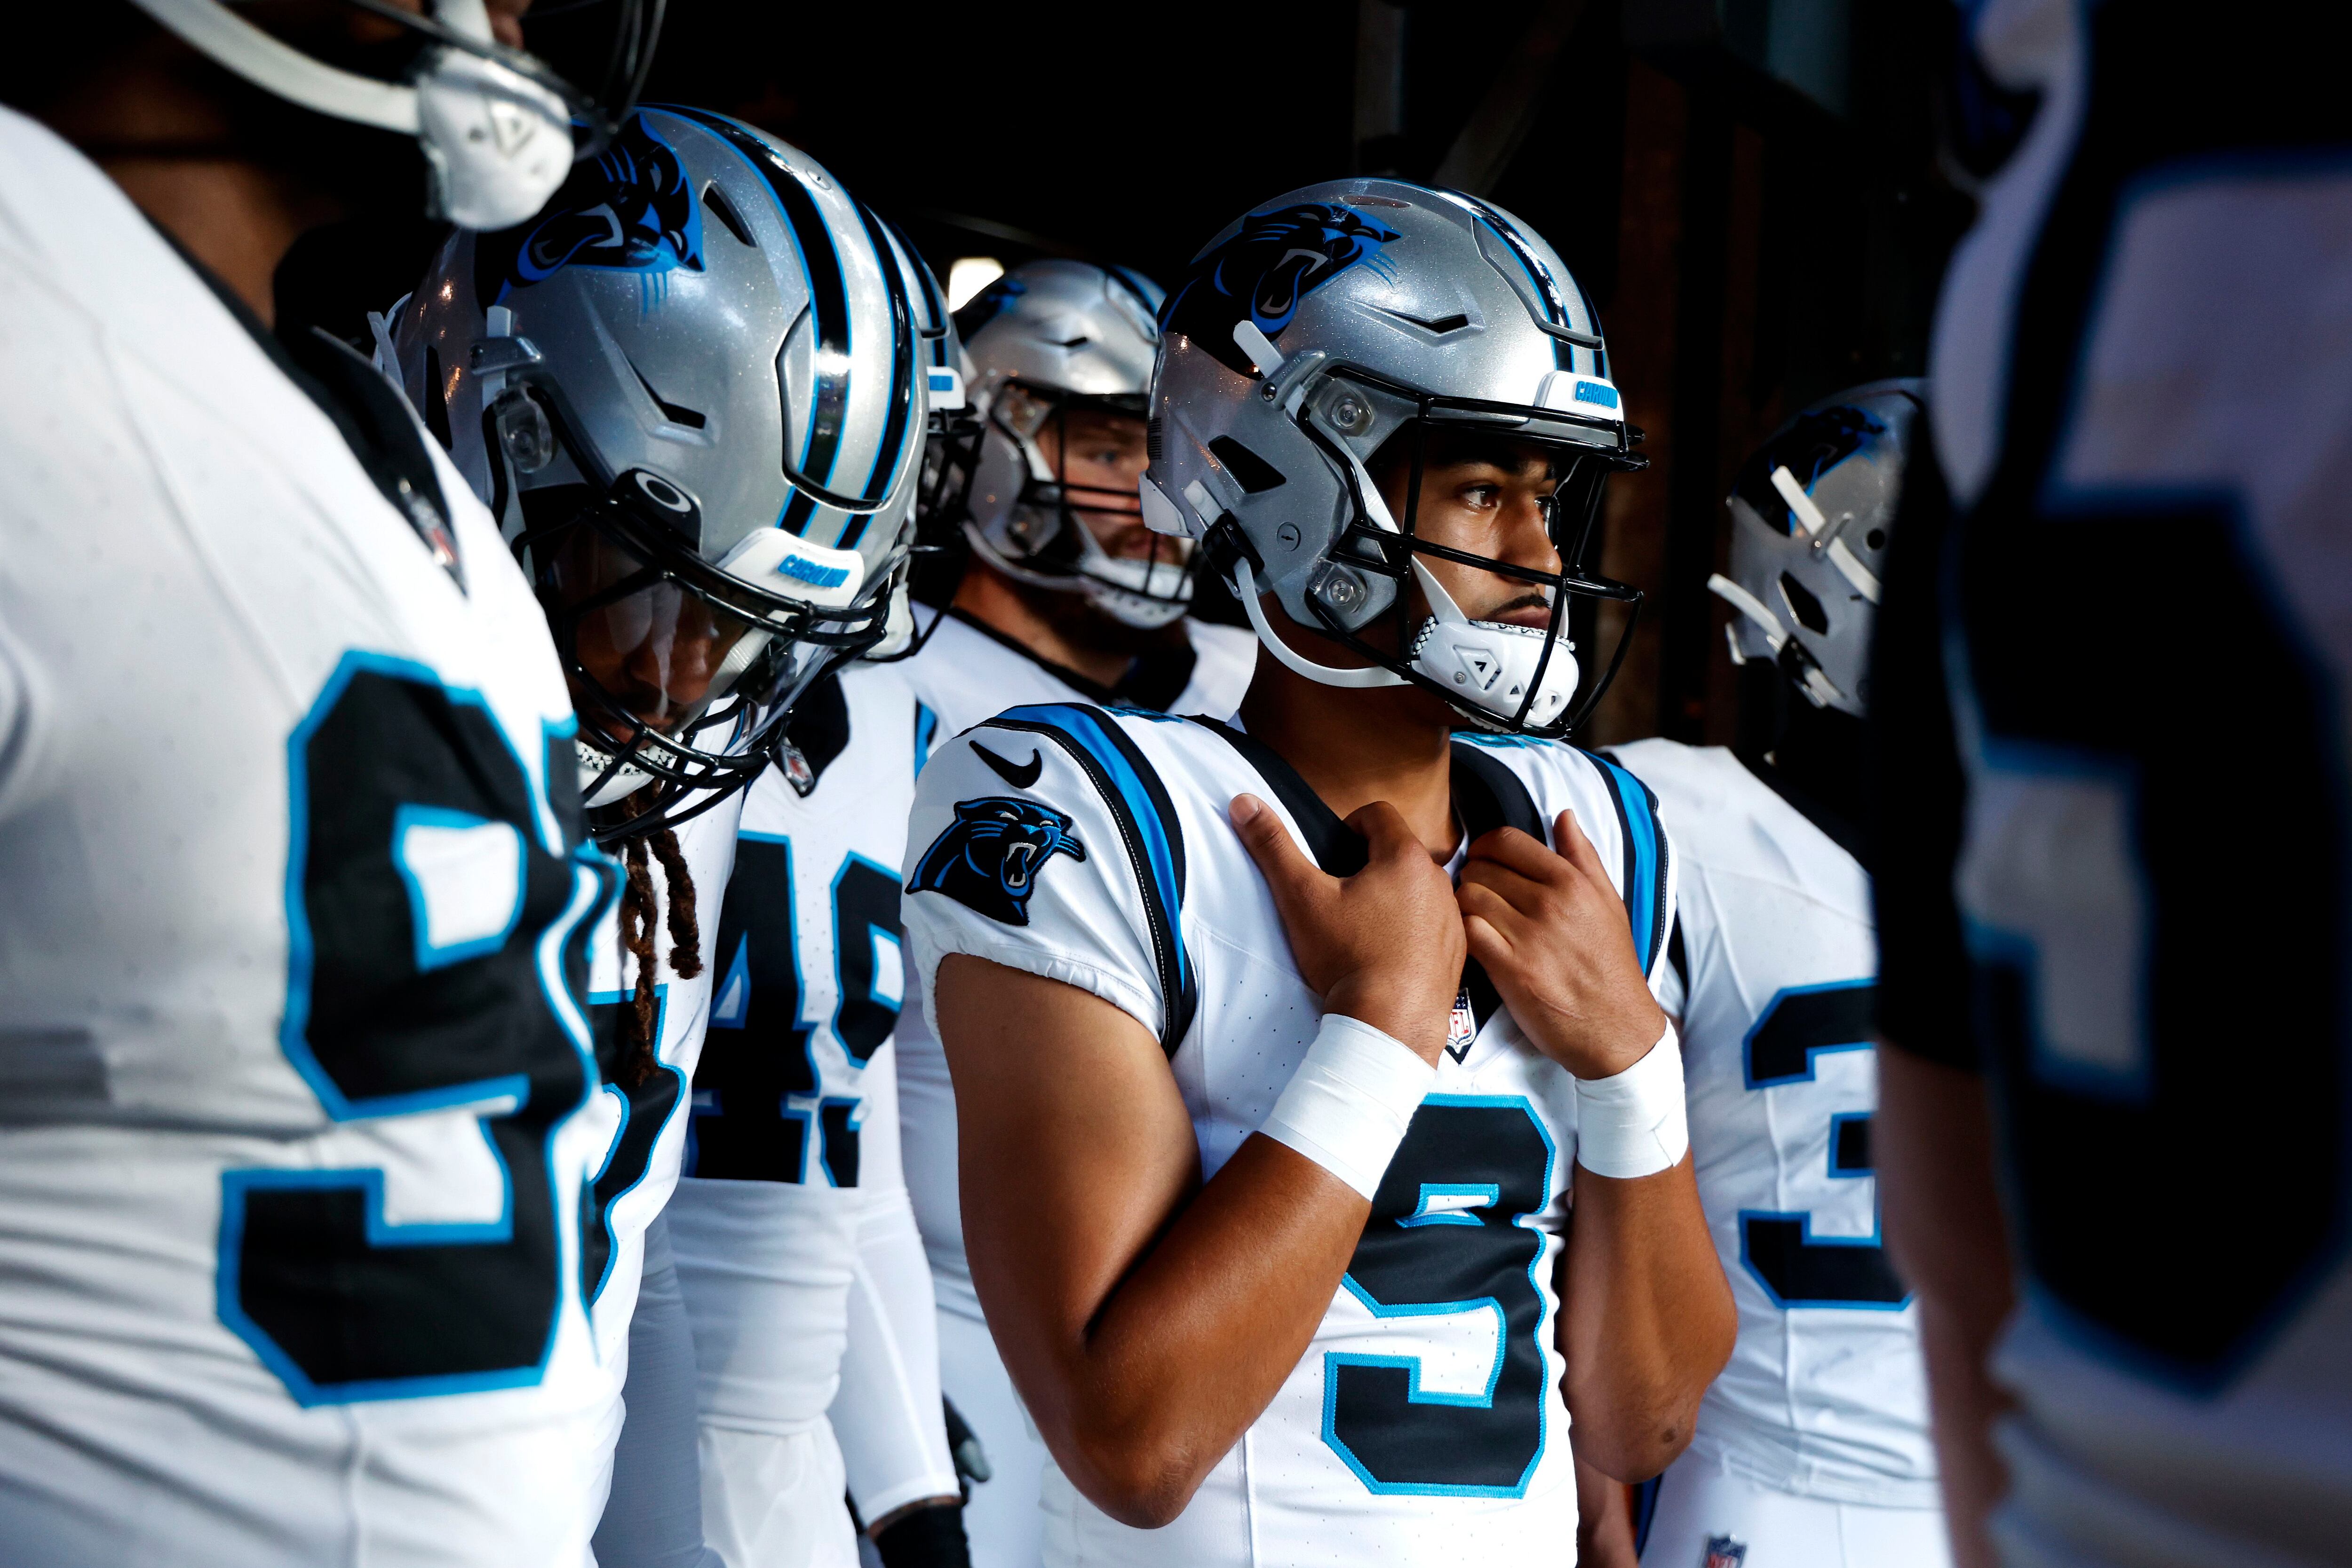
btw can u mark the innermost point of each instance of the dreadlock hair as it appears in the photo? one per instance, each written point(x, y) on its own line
point(639, 1060)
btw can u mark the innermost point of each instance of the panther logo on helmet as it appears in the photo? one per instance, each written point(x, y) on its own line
point(989, 858)
point(1261, 274)
point(629, 208)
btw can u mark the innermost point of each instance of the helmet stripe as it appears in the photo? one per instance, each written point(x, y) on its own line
point(935, 308)
point(892, 449)
point(828, 306)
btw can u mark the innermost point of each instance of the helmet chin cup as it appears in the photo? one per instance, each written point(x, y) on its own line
point(1491, 666)
point(497, 143)
point(1145, 595)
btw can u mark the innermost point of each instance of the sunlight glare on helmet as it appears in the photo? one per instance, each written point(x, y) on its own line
point(968, 275)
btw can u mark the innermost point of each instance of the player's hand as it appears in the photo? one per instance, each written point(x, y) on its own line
point(1551, 932)
point(1384, 945)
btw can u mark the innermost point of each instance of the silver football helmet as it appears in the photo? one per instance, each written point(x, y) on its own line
point(690, 389)
point(1810, 518)
point(1053, 341)
point(1311, 332)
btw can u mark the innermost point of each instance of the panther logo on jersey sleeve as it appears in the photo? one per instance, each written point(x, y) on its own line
point(988, 857)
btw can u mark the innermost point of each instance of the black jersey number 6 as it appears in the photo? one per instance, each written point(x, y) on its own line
point(438, 909)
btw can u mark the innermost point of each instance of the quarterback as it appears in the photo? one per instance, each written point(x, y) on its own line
point(1282, 1049)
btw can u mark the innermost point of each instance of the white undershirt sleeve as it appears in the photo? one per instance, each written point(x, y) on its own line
point(887, 1416)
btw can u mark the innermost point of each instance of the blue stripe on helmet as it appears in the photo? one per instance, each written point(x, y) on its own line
point(892, 449)
point(820, 262)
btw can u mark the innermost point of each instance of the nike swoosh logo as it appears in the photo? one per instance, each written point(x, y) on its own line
point(1020, 776)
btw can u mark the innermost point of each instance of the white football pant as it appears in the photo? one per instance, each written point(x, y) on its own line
point(1699, 1503)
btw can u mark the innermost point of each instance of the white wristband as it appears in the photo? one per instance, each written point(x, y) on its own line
point(1633, 1124)
point(1351, 1100)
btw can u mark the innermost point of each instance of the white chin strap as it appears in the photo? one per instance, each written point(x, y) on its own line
point(1144, 594)
point(1245, 589)
point(496, 142)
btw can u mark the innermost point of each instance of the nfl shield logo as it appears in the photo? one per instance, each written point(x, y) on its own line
point(1722, 1552)
point(1461, 1028)
point(797, 772)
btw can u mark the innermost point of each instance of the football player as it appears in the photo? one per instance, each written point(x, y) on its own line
point(2139, 408)
point(1813, 1447)
point(803, 1272)
point(297, 896)
point(690, 389)
point(1269, 1129)
point(1066, 597)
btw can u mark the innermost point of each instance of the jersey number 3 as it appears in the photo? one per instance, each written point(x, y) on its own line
point(1797, 1267)
point(437, 913)
point(1448, 1240)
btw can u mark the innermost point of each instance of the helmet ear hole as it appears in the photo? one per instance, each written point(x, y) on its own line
point(1804, 606)
point(1254, 473)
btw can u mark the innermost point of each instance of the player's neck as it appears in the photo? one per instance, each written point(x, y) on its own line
point(151, 124)
point(1353, 747)
point(1035, 617)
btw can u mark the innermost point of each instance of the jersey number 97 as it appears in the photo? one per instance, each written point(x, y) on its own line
point(438, 906)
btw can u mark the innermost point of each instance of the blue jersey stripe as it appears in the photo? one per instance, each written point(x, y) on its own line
point(1080, 725)
point(1132, 787)
point(1645, 851)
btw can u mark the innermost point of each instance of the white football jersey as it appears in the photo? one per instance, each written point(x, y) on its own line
point(645, 1126)
point(294, 916)
point(794, 1105)
point(966, 672)
point(1424, 1425)
point(1773, 976)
